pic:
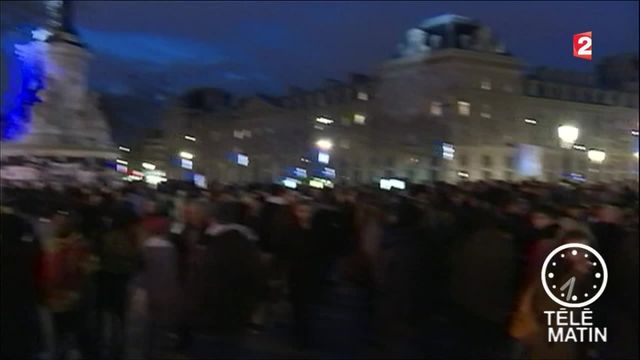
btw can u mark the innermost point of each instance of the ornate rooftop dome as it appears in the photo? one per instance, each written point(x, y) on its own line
point(449, 31)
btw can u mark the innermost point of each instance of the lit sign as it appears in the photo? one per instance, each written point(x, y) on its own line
point(186, 164)
point(300, 172)
point(388, 184)
point(290, 183)
point(329, 172)
point(448, 151)
point(200, 181)
point(323, 157)
point(242, 160)
point(324, 120)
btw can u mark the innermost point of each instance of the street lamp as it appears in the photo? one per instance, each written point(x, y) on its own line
point(324, 144)
point(148, 166)
point(596, 156)
point(568, 135)
point(186, 155)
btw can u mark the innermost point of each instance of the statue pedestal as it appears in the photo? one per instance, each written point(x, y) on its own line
point(65, 165)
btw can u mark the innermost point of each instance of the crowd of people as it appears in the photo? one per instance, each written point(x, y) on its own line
point(438, 270)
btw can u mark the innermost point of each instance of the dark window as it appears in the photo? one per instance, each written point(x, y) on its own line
point(410, 174)
point(509, 162)
point(508, 175)
point(486, 161)
point(463, 160)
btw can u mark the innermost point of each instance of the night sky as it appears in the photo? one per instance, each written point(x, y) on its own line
point(250, 47)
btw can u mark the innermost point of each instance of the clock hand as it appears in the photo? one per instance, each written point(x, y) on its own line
point(570, 283)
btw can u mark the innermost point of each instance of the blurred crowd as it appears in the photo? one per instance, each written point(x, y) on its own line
point(434, 271)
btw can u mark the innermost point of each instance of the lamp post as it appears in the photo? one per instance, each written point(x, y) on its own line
point(568, 135)
point(597, 157)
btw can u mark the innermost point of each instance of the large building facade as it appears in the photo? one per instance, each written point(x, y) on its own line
point(453, 105)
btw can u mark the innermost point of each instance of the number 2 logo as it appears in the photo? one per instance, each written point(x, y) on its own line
point(582, 45)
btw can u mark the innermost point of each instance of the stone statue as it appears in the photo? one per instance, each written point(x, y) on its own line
point(416, 43)
point(96, 126)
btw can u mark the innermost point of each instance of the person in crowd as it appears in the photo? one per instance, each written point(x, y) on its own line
point(543, 238)
point(20, 254)
point(190, 239)
point(537, 345)
point(230, 284)
point(299, 257)
point(483, 285)
point(121, 260)
point(68, 263)
point(618, 245)
point(159, 280)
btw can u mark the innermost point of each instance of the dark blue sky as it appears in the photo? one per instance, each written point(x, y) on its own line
point(250, 47)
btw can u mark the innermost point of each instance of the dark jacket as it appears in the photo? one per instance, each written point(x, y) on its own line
point(20, 253)
point(483, 281)
point(231, 280)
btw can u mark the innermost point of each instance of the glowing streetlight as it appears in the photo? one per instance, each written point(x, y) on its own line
point(186, 155)
point(324, 120)
point(568, 135)
point(190, 138)
point(124, 148)
point(324, 144)
point(596, 156)
point(148, 166)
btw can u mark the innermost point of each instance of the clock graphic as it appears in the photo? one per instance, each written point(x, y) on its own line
point(567, 286)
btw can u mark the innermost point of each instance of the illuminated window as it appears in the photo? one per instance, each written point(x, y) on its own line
point(324, 120)
point(363, 96)
point(464, 108)
point(448, 151)
point(359, 119)
point(242, 160)
point(186, 164)
point(436, 108)
point(485, 84)
point(323, 157)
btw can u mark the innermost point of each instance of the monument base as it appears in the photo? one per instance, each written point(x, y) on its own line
point(61, 165)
